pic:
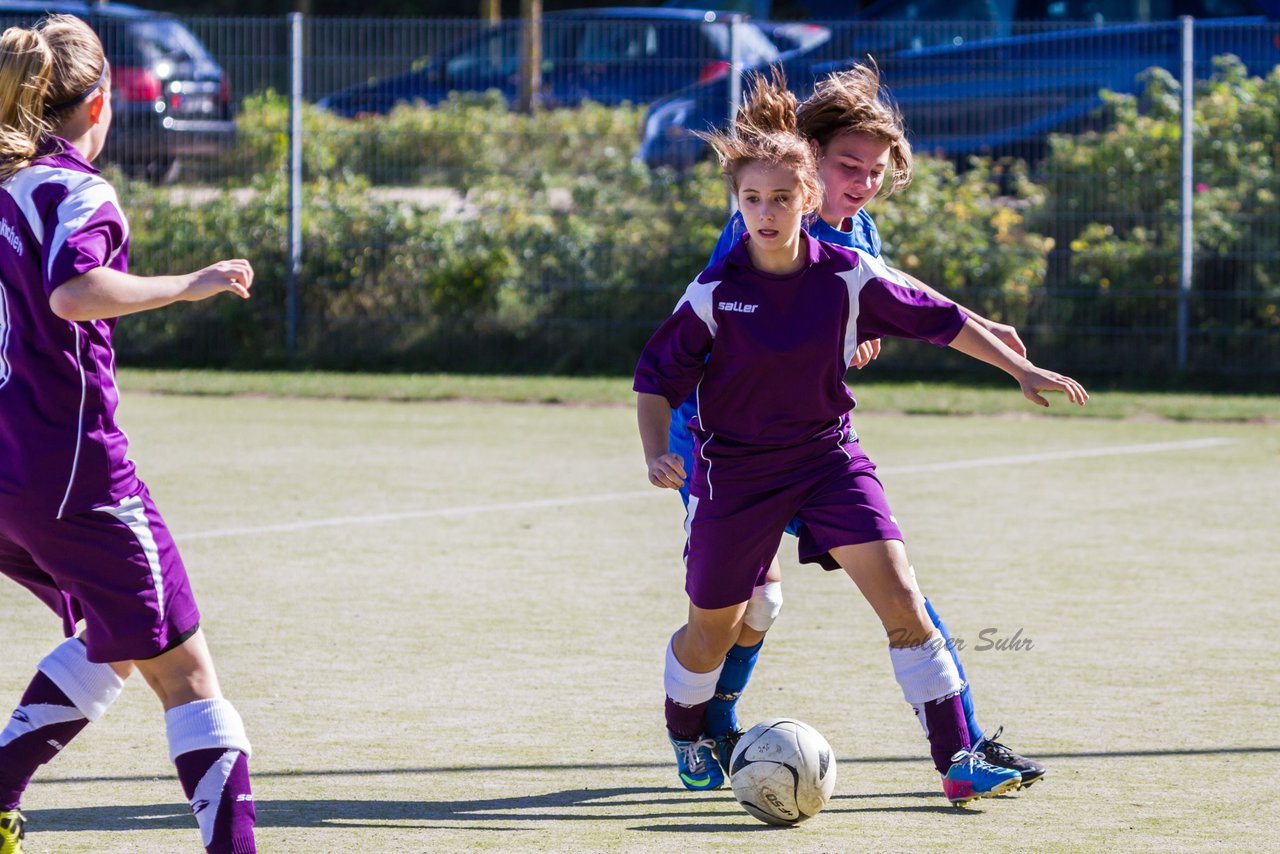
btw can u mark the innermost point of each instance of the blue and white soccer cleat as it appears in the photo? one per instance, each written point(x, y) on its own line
point(971, 777)
point(696, 762)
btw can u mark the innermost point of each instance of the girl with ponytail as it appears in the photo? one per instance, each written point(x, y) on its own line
point(78, 527)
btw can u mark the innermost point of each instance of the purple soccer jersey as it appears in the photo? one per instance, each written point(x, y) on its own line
point(768, 354)
point(63, 452)
point(77, 526)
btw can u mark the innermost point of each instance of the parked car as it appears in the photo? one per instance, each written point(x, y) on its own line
point(991, 75)
point(1004, 96)
point(605, 55)
point(170, 97)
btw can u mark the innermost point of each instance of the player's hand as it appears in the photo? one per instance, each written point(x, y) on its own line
point(235, 276)
point(667, 471)
point(1037, 380)
point(1008, 336)
point(866, 351)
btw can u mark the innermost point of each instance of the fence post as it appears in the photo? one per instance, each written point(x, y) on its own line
point(735, 85)
point(1188, 164)
point(295, 182)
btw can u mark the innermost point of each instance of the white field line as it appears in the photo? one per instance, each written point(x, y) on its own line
point(569, 501)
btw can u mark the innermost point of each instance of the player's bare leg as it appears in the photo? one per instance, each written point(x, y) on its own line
point(695, 657)
point(721, 716)
point(207, 743)
point(923, 667)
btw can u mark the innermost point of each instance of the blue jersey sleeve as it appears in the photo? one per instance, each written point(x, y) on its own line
point(732, 233)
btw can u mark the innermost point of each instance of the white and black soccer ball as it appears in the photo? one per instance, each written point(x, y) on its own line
point(782, 771)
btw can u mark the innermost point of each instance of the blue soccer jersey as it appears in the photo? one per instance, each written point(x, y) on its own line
point(861, 234)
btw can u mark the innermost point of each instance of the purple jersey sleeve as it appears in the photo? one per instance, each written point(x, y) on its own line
point(675, 358)
point(887, 306)
point(86, 231)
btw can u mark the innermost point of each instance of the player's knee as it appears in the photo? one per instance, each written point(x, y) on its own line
point(703, 646)
point(764, 605)
point(90, 687)
point(903, 614)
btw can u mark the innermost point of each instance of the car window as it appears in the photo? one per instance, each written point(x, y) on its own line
point(1131, 11)
point(1222, 9)
point(942, 10)
point(754, 47)
point(610, 41)
point(496, 55)
point(166, 41)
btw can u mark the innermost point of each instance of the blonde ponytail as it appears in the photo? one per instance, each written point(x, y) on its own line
point(51, 66)
point(25, 65)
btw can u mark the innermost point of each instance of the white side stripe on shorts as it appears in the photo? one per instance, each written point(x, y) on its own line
point(133, 513)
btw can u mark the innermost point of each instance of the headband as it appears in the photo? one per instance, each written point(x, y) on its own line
point(97, 84)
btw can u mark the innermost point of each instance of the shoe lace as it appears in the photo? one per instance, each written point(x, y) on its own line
point(990, 746)
point(692, 752)
point(975, 760)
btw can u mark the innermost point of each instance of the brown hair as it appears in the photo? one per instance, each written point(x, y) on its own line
point(765, 131)
point(853, 101)
point(42, 69)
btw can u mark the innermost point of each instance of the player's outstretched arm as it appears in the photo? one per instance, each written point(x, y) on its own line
point(976, 341)
point(1003, 332)
point(102, 292)
point(666, 470)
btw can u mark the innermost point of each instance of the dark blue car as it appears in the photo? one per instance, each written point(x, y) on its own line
point(604, 55)
point(1002, 77)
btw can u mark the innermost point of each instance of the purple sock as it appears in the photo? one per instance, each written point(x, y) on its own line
point(43, 723)
point(216, 781)
point(948, 730)
point(685, 722)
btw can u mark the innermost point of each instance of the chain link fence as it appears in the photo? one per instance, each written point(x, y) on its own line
point(443, 229)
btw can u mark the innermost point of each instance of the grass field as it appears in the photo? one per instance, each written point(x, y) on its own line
point(444, 624)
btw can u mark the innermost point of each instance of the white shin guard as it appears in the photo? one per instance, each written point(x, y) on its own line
point(686, 687)
point(205, 724)
point(91, 687)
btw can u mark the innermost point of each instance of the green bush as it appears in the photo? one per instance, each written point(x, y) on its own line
point(1112, 201)
point(458, 143)
point(557, 251)
point(956, 232)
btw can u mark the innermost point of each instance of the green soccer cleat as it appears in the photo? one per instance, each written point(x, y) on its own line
point(696, 762)
point(11, 824)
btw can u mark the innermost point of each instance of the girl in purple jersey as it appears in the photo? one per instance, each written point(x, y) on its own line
point(765, 336)
point(77, 527)
point(859, 139)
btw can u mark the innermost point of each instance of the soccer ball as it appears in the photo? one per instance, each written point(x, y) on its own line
point(782, 771)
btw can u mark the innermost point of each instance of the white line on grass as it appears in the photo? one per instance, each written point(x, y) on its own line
point(568, 501)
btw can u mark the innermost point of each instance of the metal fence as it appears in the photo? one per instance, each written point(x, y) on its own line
point(463, 234)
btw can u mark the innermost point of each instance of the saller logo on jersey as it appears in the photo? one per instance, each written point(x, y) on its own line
point(737, 306)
